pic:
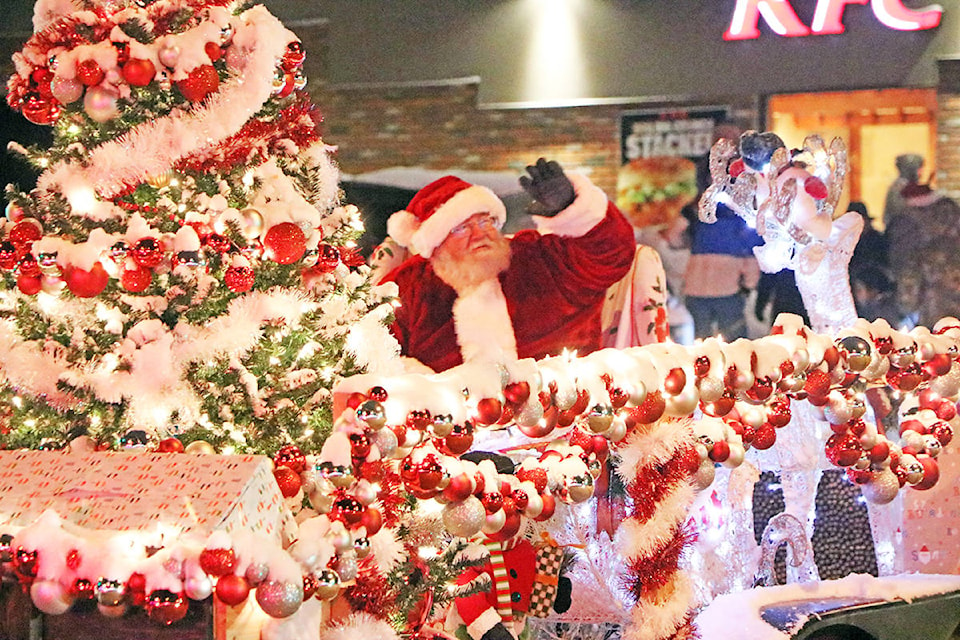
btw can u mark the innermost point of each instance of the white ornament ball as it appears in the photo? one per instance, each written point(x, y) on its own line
point(100, 104)
point(198, 587)
point(493, 522)
point(882, 488)
point(169, 55)
point(66, 90)
point(50, 596)
point(465, 519)
point(279, 599)
point(705, 474)
point(735, 459)
point(710, 389)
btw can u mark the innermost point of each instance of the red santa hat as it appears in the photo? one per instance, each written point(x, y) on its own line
point(439, 207)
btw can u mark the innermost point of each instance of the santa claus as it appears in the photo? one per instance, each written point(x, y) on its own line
point(469, 293)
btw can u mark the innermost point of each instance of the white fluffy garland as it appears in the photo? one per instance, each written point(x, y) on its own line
point(152, 148)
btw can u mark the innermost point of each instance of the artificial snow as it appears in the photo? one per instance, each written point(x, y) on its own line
point(714, 621)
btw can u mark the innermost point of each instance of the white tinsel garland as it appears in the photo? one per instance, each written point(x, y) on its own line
point(152, 148)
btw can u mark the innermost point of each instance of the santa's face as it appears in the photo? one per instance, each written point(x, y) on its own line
point(472, 252)
point(477, 234)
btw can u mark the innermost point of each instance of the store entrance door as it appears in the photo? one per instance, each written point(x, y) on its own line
point(876, 125)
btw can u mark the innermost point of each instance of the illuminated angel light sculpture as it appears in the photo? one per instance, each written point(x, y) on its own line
point(790, 198)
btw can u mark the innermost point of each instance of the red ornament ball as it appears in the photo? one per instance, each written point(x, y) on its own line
point(651, 409)
point(720, 451)
point(290, 455)
point(200, 83)
point(349, 510)
point(40, 110)
point(29, 285)
point(213, 51)
point(284, 243)
point(170, 445)
point(536, 475)
point(136, 280)
point(843, 449)
point(931, 473)
point(288, 480)
point(89, 72)
point(489, 410)
point(217, 242)
point(371, 520)
point(675, 381)
point(459, 440)
point(28, 266)
point(87, 284)
point(818, 383)
point(139, 72)
point(218, 562)
point(736, 167)
point(232, 589)
point(764, 437)
point(9, 255)
point(294, 56)
point(166, 607)
point(517, 393)
point(147, 252)
point(239, 279)
point(25, 232)
point(327, 259)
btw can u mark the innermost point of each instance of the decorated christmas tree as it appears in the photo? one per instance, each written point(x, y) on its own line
point(185, 266)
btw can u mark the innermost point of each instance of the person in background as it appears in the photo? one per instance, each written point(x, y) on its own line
point(923, 255)
point(874, 295)
point(908, 168)
point(721, 271)
point(871, 249)
point(779, 291)
point(471, 294)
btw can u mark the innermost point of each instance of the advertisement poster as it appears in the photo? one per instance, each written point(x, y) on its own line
point(660, 151)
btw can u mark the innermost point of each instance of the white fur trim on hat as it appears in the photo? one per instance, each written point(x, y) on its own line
point(426, 236)
point(482, 323)
point(401, 226)
point(588, 209)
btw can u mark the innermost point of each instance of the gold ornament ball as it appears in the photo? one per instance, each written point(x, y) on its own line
point(857, 352)
point(251, 224)
point(328, 585)
point(199, 447)
point(160, 181)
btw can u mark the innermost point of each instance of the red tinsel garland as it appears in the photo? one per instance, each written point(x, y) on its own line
point(371, 593)
point(256, 140)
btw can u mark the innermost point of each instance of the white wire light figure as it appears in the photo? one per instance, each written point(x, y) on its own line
point(783, 528)
point(790, 199)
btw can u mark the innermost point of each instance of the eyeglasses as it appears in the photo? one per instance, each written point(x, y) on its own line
point(486, 223)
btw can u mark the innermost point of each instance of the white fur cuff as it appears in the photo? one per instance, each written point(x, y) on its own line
point(587, 210)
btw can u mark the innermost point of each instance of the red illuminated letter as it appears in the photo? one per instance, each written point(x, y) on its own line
point(893, 14)
point(778, 14)
point(828, 17)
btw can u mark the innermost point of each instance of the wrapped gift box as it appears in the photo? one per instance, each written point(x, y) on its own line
point(163, 495)
point(176, 493)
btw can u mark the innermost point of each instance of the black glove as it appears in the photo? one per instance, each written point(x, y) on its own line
point(498, 632)
point(549, 187)
point(564, 595)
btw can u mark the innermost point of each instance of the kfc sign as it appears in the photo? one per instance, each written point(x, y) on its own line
point(827, 18)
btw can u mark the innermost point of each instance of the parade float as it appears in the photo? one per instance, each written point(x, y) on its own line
point(206, 423)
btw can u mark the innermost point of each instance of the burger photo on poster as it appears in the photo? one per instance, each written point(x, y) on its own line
point(652, 191)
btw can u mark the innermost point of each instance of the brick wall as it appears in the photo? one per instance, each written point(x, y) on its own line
point(440, 126)
point(948, 127)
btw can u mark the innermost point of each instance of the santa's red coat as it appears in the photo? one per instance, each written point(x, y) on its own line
point(554, 290)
